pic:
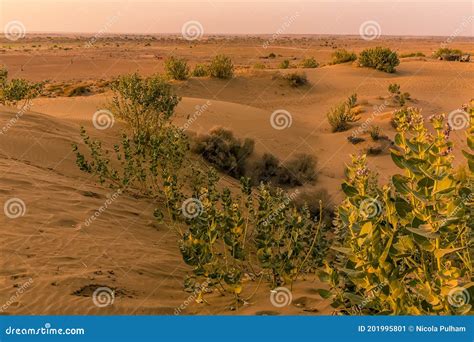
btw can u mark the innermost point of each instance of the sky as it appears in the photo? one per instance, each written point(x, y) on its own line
point(402, 17)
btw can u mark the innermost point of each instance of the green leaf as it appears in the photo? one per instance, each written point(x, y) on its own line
point(398, 159)
point(354, 299)
point(400, 183)
point(349, 190)
point(324, 293)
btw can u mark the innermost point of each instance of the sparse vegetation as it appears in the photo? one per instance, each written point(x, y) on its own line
point(379, 58)
point(296, 79)
point(397, 96)
point(343, 56)
point(448, 54)
point(177, 68)
point(309, 63)
point(221, 67)
point(412, 54)
point(341, 115)
point(200, 70)
point(16, 90)
point(374, 133)
point(285, 64)
point(224, 151)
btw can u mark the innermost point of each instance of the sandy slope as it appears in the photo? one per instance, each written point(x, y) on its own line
point(125, 249)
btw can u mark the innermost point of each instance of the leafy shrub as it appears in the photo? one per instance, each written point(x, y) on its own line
point(406, 249)
point(146, 104)
point(343, 56)
point(295, 79)
point(285, 64)
point(448, 54)
point(226, 152)
point(221, 67)
point(177, 68)
point(379, 58)
point(16, 90)
point(309, 63)
point(200, 70)
point(344, 113)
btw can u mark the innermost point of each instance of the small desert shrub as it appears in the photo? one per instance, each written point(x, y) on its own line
point(344, 113)
point(265, 169)
point(259, 66)
point(374, 133)
point(17, 89)
point(221, 67)
point(397, 96)
point(285, 64)
point(146, 104)
point(271, 55)
point(223, 150)
point(379, 58)
point(296, 79)
point(177, 68)
point(343, 56)
point(412, 54)
point(309, 63)
point(200, 70)
point(297, 171)
point(448, 54)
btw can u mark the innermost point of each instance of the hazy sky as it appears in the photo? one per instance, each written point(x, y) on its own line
point(259, 16)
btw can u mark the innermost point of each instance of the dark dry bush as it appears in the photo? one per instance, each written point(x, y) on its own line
point(223, 150)
point(296, 79)
point(379, 58)
point(295, 172)
point(355, 140)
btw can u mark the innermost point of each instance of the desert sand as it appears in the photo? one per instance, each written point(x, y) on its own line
point(51, 262)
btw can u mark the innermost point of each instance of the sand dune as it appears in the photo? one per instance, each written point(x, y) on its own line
point(125, 249)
